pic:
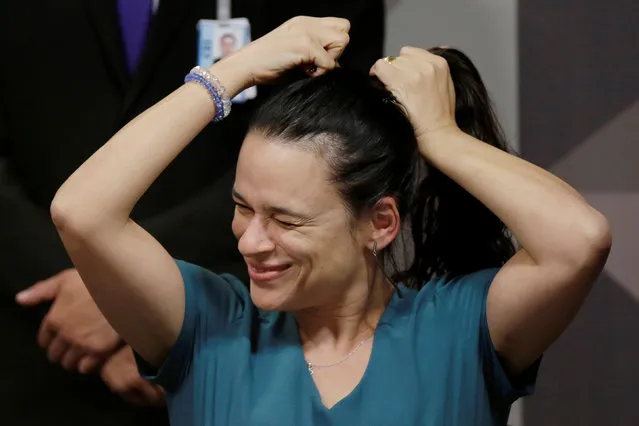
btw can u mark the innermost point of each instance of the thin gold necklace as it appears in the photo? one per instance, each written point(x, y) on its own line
point(311, 366)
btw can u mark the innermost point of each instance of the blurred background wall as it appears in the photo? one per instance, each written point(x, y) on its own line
point(565, 80)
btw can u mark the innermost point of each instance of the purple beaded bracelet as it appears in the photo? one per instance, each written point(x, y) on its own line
point(215, 89)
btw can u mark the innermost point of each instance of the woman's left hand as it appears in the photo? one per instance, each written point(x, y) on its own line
point(420, 81)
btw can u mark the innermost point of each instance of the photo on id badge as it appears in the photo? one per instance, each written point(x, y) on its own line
point(218, 39)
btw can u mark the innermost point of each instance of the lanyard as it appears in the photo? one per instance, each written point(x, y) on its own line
point(223, 10)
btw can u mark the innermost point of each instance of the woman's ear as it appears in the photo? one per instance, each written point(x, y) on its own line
point(385, 224)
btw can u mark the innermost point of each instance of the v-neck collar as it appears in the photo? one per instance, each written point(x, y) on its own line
point(309, 383)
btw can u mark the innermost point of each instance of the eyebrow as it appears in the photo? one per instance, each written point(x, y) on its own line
point(277, 210)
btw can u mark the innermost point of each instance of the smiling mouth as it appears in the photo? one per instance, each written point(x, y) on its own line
point(261, 273)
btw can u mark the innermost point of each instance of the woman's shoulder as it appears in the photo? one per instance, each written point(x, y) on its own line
point(473, 284)
point(200, 275)
point(205, 289)
point(449, 297)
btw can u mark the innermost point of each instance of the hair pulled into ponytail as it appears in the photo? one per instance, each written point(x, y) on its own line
point(452, 232)
point(371, 150)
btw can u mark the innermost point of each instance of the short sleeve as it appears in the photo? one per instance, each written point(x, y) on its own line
point(212, 303)
point(508, 389)
point(468, 294)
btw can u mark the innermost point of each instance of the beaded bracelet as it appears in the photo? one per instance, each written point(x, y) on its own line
point(215, 89)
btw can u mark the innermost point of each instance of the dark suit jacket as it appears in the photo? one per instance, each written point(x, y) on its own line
point(64, 91)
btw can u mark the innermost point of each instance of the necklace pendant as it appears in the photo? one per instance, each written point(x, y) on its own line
point(310, 368)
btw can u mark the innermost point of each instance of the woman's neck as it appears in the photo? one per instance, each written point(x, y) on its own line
point(352, 318)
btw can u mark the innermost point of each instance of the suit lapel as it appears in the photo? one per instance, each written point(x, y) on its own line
point(103, 16)
point(168, 19)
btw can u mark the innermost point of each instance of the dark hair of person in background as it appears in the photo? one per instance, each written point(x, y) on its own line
point(352, 121)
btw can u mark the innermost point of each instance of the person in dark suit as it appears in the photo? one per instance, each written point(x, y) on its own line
point(69, 79)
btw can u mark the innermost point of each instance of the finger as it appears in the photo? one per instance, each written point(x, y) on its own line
point(374, 71)
point(136, 394)
point(159, 399)
point(340, 24)
point(39, 292)
point(412, 51)
point(89, 364)
point(57, 349)
point(71, 358)
point(149, 392)
point(439, 63)
point(336, 45)
point(134, 398)
point(161, 394)
point(384, 70)
point(46, 333)
point(321, 60)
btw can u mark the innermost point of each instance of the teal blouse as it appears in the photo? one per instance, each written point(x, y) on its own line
point(432, 362)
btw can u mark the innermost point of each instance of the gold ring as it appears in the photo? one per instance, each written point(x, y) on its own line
point(389, 59)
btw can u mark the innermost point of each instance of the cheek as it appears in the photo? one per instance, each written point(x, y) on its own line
point(332, 252)
point(239, 225)
point(294, 244)
point(341, 252)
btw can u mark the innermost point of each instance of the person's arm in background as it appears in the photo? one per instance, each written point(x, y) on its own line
point(186, 229)
point(33, 257)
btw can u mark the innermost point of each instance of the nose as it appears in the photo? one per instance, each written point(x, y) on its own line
point(255, 239)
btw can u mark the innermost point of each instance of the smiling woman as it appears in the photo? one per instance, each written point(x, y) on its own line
point(335, 330)
point(290, 221)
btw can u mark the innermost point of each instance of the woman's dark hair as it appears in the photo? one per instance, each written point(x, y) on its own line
point(371, 148)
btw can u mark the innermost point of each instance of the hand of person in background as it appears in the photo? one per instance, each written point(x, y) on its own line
point(74, 331)
point(121, 375)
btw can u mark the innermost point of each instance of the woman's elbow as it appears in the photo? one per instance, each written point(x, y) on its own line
point(593, 245)
point(61, 214)
point(69, 218)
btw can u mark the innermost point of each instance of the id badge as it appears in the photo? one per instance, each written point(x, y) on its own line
point(217, 39)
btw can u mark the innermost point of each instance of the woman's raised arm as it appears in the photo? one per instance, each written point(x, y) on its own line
point(565, 242)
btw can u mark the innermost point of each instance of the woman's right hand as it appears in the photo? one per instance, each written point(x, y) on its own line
point(421, 82)
point(315, 43)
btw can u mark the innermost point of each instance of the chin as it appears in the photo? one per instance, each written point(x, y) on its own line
point(267, 299)
point(273, 292)
point(273, 296)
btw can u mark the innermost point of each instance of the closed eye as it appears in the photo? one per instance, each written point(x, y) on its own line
point(286, 224)
point(242, 207)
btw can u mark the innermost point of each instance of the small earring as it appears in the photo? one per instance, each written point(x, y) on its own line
point(375, 248)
